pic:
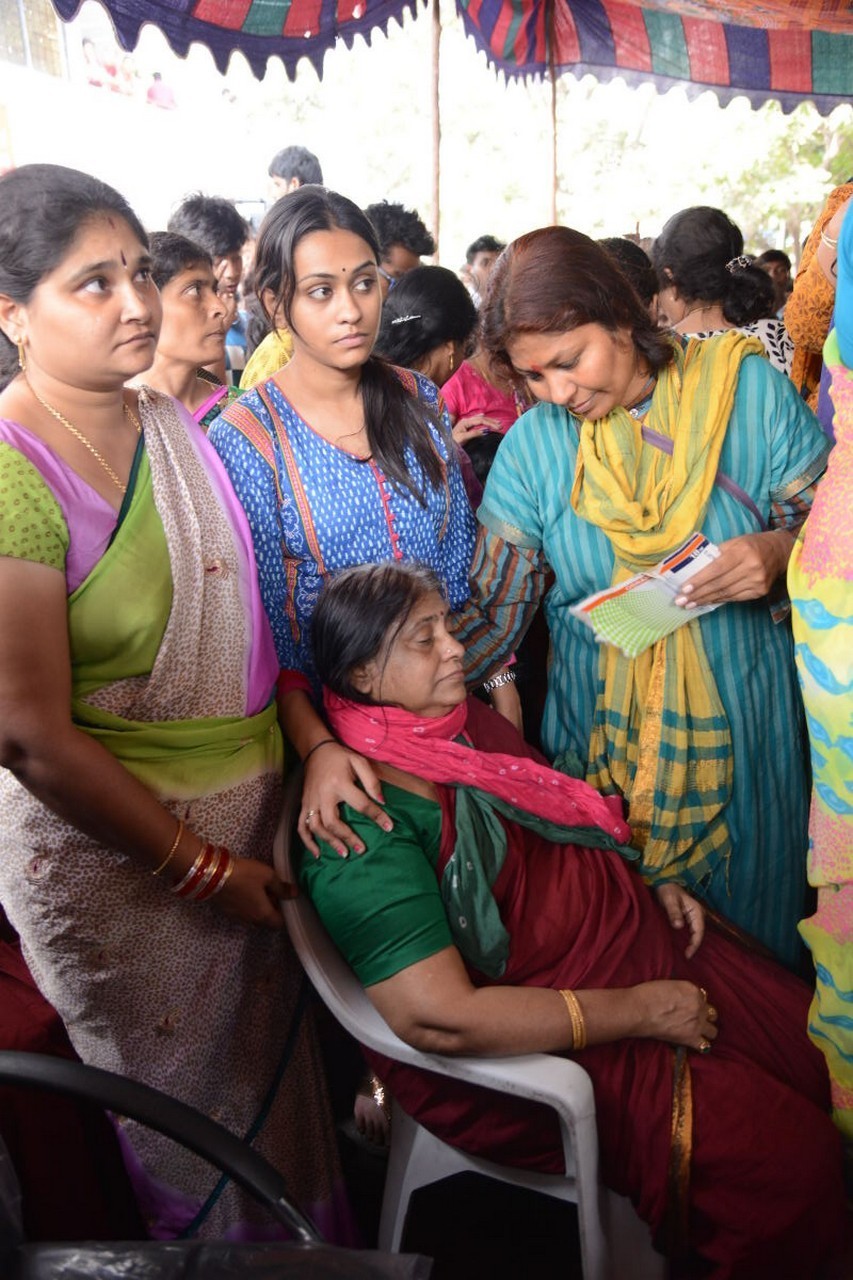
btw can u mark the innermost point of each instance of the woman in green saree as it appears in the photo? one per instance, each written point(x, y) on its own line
point(142, 757)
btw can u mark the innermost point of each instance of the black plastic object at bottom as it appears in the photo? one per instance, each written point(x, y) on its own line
point(168, 1116)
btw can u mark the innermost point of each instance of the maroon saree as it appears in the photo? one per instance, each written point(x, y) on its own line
point(758, 1188)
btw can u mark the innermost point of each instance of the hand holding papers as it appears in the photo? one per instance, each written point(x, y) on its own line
point(642, 609)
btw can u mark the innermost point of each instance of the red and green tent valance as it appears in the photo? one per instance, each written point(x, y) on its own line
point(259, 29)
point(715, 46)
point(788, 50)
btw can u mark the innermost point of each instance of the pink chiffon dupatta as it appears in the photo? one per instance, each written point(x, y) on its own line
point(430, 748)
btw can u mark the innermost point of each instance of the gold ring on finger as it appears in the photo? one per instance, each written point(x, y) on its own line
point(704, 1045)
point(310, 814)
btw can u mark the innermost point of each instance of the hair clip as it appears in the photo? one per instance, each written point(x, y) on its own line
point(740, 263)
point(403, 319)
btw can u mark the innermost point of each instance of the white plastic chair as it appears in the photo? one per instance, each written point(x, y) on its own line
point(615, 1243)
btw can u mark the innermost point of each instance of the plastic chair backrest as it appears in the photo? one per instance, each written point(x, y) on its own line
point(331, 976)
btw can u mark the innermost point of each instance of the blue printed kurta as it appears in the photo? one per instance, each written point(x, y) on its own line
point(314, 509)
point(774, 449)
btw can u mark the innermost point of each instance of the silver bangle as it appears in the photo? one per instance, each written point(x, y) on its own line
point(497, 682)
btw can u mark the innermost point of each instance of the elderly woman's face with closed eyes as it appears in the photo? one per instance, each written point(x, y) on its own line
point(422, 669)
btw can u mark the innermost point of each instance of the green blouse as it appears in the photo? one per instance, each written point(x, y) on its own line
point(383, 908)
point(32, 527)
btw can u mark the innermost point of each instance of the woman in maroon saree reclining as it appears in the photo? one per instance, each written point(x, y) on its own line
point(500, 916)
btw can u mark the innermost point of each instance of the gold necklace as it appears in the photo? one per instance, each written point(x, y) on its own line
point(99, 457)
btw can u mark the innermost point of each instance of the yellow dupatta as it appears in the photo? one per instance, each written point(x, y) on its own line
point(660, 734)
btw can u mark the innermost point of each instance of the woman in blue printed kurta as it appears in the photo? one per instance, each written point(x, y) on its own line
point(534, 547)
point(338, 459)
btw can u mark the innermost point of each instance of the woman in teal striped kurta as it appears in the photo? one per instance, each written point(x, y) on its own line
point(535, 548)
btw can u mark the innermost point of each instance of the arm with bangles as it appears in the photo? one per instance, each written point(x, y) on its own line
point(78, 779)
point(434, 1006)
point(422, 988)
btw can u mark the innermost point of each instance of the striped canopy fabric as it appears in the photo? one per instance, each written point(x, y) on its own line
point(259, 29)
point(791, 52)
point(788, 50)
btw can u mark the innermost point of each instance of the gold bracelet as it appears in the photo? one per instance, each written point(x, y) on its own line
point(174, 849)
point(576, 1015)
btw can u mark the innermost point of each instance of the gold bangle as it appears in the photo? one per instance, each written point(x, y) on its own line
point(828, 240)
point(577, 1018)
point(174, 849)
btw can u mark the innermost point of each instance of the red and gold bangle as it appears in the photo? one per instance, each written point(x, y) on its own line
point(186, 888)
point(220, 874)
point(232, 862)
point(210, 870)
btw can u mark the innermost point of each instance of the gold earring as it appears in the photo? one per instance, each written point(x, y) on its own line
point(22, 356)
point(452, 359)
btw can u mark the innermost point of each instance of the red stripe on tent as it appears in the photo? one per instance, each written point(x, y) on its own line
point(499, 31)
point(473, 10)
point(303, 17)
point(707, 51)
point(542, 35)
point(630, 38)
point(791, 60)
point(525, 46)
point(567, 46)
point(230, 14)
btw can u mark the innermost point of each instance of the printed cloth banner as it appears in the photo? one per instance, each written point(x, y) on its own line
point(787, 50)
point(791, 52)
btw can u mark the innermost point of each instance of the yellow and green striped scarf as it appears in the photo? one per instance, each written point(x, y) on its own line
point(660, 734)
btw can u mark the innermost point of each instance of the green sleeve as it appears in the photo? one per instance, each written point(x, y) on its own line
point(31, 523)
point(383, 908)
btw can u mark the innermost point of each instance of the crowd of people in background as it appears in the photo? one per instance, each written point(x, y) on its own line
point(287, 493)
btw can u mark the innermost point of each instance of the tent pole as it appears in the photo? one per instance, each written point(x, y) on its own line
point(551, 19)
point(436, 124)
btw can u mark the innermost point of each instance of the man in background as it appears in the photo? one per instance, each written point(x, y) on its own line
point(778, 266)
point(480, 257)
point(292, 168)
point(402, 239)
